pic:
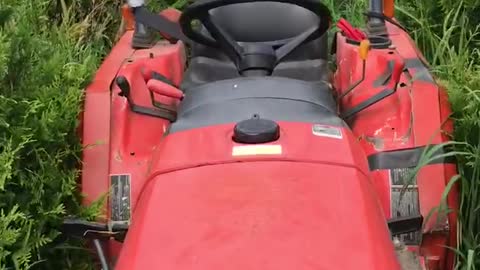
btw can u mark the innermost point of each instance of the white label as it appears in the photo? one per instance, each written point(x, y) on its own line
point(254, 150)
point(327, 131)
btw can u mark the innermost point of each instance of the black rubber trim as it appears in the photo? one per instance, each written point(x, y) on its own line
point(160, 23)
point(351, 41)
point(367, 103)
point(142, 38)
point(401, 225)
point(383, 79)
point(170, 116)
point(406, 158)
point(378, 46)
point(423, 73)
point(415, 63)
point(159, 77)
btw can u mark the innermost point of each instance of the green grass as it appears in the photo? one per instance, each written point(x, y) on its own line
point(48, 52)
point(448, 33)
point(49, 49)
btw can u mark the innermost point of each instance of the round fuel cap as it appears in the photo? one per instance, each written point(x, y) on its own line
point(256, 130)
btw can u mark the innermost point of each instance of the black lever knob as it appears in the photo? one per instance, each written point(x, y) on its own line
point(124, 86)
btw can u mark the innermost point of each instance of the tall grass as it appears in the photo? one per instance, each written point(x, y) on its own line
point(448, 34)
point(49, 49)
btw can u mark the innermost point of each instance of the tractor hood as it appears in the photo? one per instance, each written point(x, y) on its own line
point(259, 215)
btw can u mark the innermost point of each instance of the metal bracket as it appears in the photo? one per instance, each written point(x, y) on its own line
point(92, 230)
point(402, 225)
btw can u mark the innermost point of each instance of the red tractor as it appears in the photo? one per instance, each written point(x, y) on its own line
point(250, 151)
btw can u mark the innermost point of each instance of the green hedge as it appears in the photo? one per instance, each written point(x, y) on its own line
point(48, 52)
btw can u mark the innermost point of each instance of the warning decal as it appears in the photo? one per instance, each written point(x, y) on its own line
point(404, 200)
point(253, 150)
point(327, 131)
point(120, 198)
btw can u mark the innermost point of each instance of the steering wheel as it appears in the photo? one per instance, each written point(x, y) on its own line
point(250, 55)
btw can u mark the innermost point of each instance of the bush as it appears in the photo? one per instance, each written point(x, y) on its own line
point(48, 51)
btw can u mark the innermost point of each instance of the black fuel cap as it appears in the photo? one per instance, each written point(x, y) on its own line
point(256, 130)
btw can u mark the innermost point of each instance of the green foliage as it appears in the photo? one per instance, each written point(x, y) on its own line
point(48, 52)
point(448, 34)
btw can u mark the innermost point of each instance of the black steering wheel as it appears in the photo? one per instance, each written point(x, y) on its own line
point(249, 56)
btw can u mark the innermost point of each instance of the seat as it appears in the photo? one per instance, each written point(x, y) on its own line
point(261, 22)
point(204, 70)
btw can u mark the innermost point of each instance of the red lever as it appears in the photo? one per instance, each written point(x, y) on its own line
point(350, 31)
point(164, 89)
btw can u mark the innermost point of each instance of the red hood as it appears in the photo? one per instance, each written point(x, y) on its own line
point(259, 215)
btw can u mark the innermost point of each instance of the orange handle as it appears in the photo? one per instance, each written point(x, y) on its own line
point(389, 8)
point(363, 50)
point(128, 17)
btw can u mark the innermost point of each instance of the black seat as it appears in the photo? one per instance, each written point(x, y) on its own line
point(274, 98)
point(268, 22)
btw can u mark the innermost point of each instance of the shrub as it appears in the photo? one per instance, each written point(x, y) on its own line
point(48, 51)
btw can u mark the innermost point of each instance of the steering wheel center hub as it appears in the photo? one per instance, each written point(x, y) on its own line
point(257, 57)
point(251, 58)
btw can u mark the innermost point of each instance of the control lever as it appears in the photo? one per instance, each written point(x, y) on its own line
point(164, 89)
point(388, 81)
point(363, 53)
point(124, 86)
point(160, 111)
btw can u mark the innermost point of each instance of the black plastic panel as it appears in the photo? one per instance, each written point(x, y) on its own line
point(406, 158)
point(274, 98)
point(204, 70)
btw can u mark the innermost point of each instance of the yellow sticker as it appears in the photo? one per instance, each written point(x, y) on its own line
point(253, 150)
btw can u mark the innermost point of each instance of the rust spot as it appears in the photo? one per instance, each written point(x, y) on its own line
point(377, 142)
point(118, 156)
point(407, 259)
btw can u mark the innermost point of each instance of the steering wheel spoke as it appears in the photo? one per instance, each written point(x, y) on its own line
point(251, 57)
point(222, 38)
point(284, 50)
